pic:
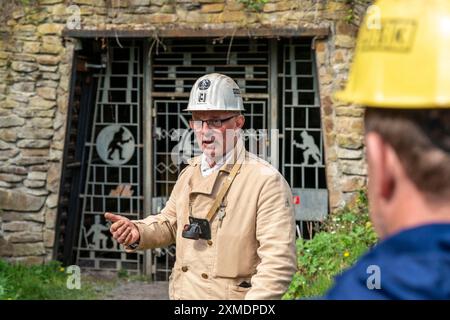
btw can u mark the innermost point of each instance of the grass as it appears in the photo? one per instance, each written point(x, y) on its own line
point(343, 238)
point(45, 282)
point(124, 275)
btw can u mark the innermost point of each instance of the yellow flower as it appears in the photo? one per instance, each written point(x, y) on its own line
point(346, 254)
point(61, 269)
point(368, 224)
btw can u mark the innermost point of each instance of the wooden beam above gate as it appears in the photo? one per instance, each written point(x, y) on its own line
point(188, 32)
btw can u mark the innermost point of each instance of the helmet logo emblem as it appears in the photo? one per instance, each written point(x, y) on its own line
point(204, 84)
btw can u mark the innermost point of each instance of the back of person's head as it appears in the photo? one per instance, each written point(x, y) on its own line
point(421, 140)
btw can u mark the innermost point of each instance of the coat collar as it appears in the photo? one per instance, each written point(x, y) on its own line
point(200, 184)
point(194, 161)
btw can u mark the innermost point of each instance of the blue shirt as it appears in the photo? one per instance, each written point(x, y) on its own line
point(412, 264)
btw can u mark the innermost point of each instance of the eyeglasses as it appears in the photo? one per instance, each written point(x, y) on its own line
point(212, 123)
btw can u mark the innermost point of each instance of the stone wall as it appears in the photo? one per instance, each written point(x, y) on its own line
point(343, 125)
point(35, 65)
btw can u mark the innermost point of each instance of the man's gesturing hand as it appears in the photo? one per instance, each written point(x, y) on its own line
point(122, 229)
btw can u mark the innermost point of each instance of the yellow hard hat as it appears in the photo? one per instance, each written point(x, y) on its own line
point(402, 56)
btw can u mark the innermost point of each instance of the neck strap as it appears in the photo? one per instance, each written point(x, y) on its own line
point(225, 186)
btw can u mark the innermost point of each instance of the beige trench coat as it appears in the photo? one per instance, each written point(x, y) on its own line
point(255, 242)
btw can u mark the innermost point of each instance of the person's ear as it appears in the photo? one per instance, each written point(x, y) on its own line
point(381, 161)
point(240, 121)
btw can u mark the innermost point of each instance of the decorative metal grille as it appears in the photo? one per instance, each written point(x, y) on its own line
point(302, 154)
point(279, 88)
point(115, 147)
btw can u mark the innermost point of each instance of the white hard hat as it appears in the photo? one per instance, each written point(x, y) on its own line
point(215, 92)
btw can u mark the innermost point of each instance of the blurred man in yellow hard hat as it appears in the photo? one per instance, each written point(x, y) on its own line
point(401, 73)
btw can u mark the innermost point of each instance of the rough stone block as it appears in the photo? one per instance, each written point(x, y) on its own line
point(18, 201)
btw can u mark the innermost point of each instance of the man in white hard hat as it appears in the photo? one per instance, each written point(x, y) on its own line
point(230, 213)
point(401, 73)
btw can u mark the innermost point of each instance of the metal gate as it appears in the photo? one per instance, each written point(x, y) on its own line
point(286, 70)
point(174, 72)
point(283, 125)
point(114, 179)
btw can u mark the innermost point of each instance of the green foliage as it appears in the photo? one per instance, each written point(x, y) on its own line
point(122, 273)
point(39, 282)
point(255, 5)
point(350, 17)
point(345, 236)
point(351, 14)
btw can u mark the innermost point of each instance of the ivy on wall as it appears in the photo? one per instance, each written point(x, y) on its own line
point(357, 9)
point(255, 5)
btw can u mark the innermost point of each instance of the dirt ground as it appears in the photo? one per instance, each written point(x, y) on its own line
point(111, 287)
point(138, 290)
